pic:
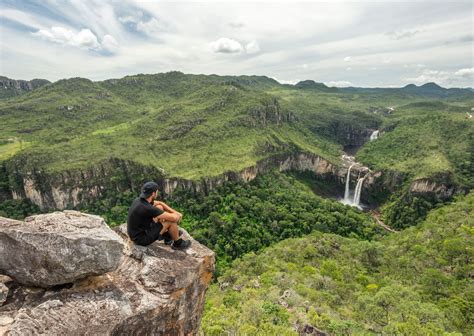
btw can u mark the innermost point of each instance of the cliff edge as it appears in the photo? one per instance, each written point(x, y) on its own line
point(153, 290)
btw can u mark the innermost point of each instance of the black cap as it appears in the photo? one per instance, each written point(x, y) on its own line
point(148, 188)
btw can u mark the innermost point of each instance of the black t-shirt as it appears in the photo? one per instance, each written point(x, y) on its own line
point(140, 217)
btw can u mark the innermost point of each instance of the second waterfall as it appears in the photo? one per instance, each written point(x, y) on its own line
point(355, 200)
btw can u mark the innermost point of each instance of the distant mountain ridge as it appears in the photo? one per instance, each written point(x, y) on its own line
point(15, 87)
point(427, 89)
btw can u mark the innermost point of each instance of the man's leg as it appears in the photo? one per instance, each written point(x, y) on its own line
point(172, 228)
point(167, 225)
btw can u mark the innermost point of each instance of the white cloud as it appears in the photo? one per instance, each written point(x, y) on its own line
point(347, 59)
point(226, 45)
point(348, 69)
point(252, 47)
point(467, 72)
point(437, 76)
point(419, 65)
point(130, 18)
point(339, 83)
point(110, 44)
point(150, 26)
point(401, 34)
point(84, 39)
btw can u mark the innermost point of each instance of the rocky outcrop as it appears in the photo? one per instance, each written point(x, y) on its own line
point(70, 188)
point(283, 162)
point(75, 187)
point(11, 87)
point(441, 190)
point(268, 112)
point(380, 184)
point(3, 288)
point(155, 290)
point(57, 248)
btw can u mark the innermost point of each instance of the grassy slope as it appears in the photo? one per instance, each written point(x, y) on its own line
point(416, 282)
point(425, 139)
point(191, 126)
point(197, 125)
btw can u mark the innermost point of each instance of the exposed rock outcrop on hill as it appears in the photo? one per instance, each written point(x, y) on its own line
point(12, 87)
point(74, 187)
point(443, 190)
point(154, 291)
point(57, 248)
point(71, 188)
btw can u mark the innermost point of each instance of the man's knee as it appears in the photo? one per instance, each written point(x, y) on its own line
point(169, 223)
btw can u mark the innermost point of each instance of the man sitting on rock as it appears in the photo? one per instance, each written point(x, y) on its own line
point(150, 220)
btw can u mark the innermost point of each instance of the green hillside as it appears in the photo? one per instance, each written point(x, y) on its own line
point(416, 282)
point(199, 125)
point(425, 139)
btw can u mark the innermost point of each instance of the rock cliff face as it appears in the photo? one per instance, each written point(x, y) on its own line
point(72, 188)
point(269, 112)
point(11, 87)
point(284, 162)
point(440, 190)
point(154, 291)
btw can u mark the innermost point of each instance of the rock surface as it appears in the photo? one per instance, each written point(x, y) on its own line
point(57, 248)
point(71, 188)
point(154, 291)
point(441, 190)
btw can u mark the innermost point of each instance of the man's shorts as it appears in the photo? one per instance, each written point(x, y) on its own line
point(150, 235)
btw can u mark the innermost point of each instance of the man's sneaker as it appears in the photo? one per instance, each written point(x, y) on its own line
point(167, 238)
point(181, 244)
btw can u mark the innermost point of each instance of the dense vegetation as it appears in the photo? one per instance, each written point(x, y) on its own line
point(238, 218)
point(416, 282)
point(273, 207)
point(18, 209)
point(430, 139)
point(335, 269)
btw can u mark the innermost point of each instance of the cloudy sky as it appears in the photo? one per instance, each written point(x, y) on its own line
point(340, 43)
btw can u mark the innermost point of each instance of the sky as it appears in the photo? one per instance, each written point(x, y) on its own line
point(339, 43)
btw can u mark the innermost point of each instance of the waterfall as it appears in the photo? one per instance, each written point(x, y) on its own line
point(374, 135)
point(348, 179)
point(358, 190)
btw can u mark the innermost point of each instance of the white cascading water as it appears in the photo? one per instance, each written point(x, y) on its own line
point(358, 190)
point(348, 179)
point(374, 135)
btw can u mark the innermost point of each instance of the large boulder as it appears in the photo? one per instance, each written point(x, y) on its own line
point(57, 248)
point(155, 291)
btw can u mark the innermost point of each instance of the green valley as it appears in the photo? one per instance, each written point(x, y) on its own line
point(259, 169)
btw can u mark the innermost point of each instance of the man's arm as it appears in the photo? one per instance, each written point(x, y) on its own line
point(166, 207)
point(168, 216)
